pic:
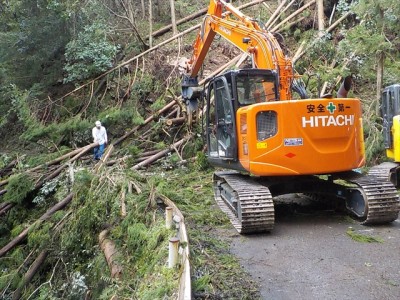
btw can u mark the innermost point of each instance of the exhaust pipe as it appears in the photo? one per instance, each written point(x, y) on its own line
point(345, 87)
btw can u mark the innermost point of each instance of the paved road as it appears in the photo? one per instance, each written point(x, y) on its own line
point(309, 256)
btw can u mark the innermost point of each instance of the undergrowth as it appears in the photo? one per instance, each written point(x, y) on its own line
point(216, 273)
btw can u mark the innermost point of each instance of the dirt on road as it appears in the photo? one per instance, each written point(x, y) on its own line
point(310, 255)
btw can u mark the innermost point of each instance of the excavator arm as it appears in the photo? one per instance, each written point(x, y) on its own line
point(246, 34)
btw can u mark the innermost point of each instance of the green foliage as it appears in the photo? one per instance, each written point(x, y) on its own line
point(18, 188)
point(74, 131)
point(158, 104)
point(40, 236)
point(35, 36)
point(83, 180)
point(362, 238)
point(201, 161)
point(42, 158)
point(89, 54)
point(161, 283)
point(15, 102)
point(17, 230)
point(117, 117)
point(142, 88)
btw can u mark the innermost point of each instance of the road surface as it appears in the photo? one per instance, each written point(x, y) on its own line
point(310, 256)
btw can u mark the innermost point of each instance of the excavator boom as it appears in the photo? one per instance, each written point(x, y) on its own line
point(224, 19)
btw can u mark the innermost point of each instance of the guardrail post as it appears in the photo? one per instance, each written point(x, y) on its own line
point(173, 252)
point(168, 217)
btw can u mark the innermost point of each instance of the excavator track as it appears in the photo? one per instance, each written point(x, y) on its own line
point(385, 171)
point(247, 203)
point(380, 199)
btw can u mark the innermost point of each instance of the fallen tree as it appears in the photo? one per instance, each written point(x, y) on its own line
point(33, 269)
point(20, 237)
point(160, 154)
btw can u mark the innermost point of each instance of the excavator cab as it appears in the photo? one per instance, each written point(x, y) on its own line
point(390, 109)
point(225, 95)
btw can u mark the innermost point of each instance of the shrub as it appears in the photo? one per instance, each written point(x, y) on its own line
point(18, 188)
point(89, 54)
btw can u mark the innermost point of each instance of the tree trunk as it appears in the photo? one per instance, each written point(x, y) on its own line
point(321, 23)
point(143, 9)
point(173, 19)
point(150, 24)
point(4, 209)
point(148, 120)
point(293, 15)
point(7, 169)
point(180, 21)
point(379, 79)
point(160, 154)
point(44, 217)
point(33, 269)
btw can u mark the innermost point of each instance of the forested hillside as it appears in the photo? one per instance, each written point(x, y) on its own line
point(66, 64)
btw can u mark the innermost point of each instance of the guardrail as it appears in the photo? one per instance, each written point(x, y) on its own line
point(185, 288)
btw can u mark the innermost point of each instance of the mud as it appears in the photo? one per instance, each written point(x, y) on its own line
point(309, 255)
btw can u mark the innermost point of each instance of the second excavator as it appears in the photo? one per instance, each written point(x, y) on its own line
point(271, 143)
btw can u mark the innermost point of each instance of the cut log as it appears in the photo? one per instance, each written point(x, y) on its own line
point(110, 253)
point(321, 18)
point(175, 121)
point(18, 239)
point(281, 12)
point(61, 158)
point(55, 161)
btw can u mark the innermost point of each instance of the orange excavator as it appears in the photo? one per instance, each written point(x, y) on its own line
point(273, 144)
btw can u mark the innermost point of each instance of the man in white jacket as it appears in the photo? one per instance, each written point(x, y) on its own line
point(99, 134)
